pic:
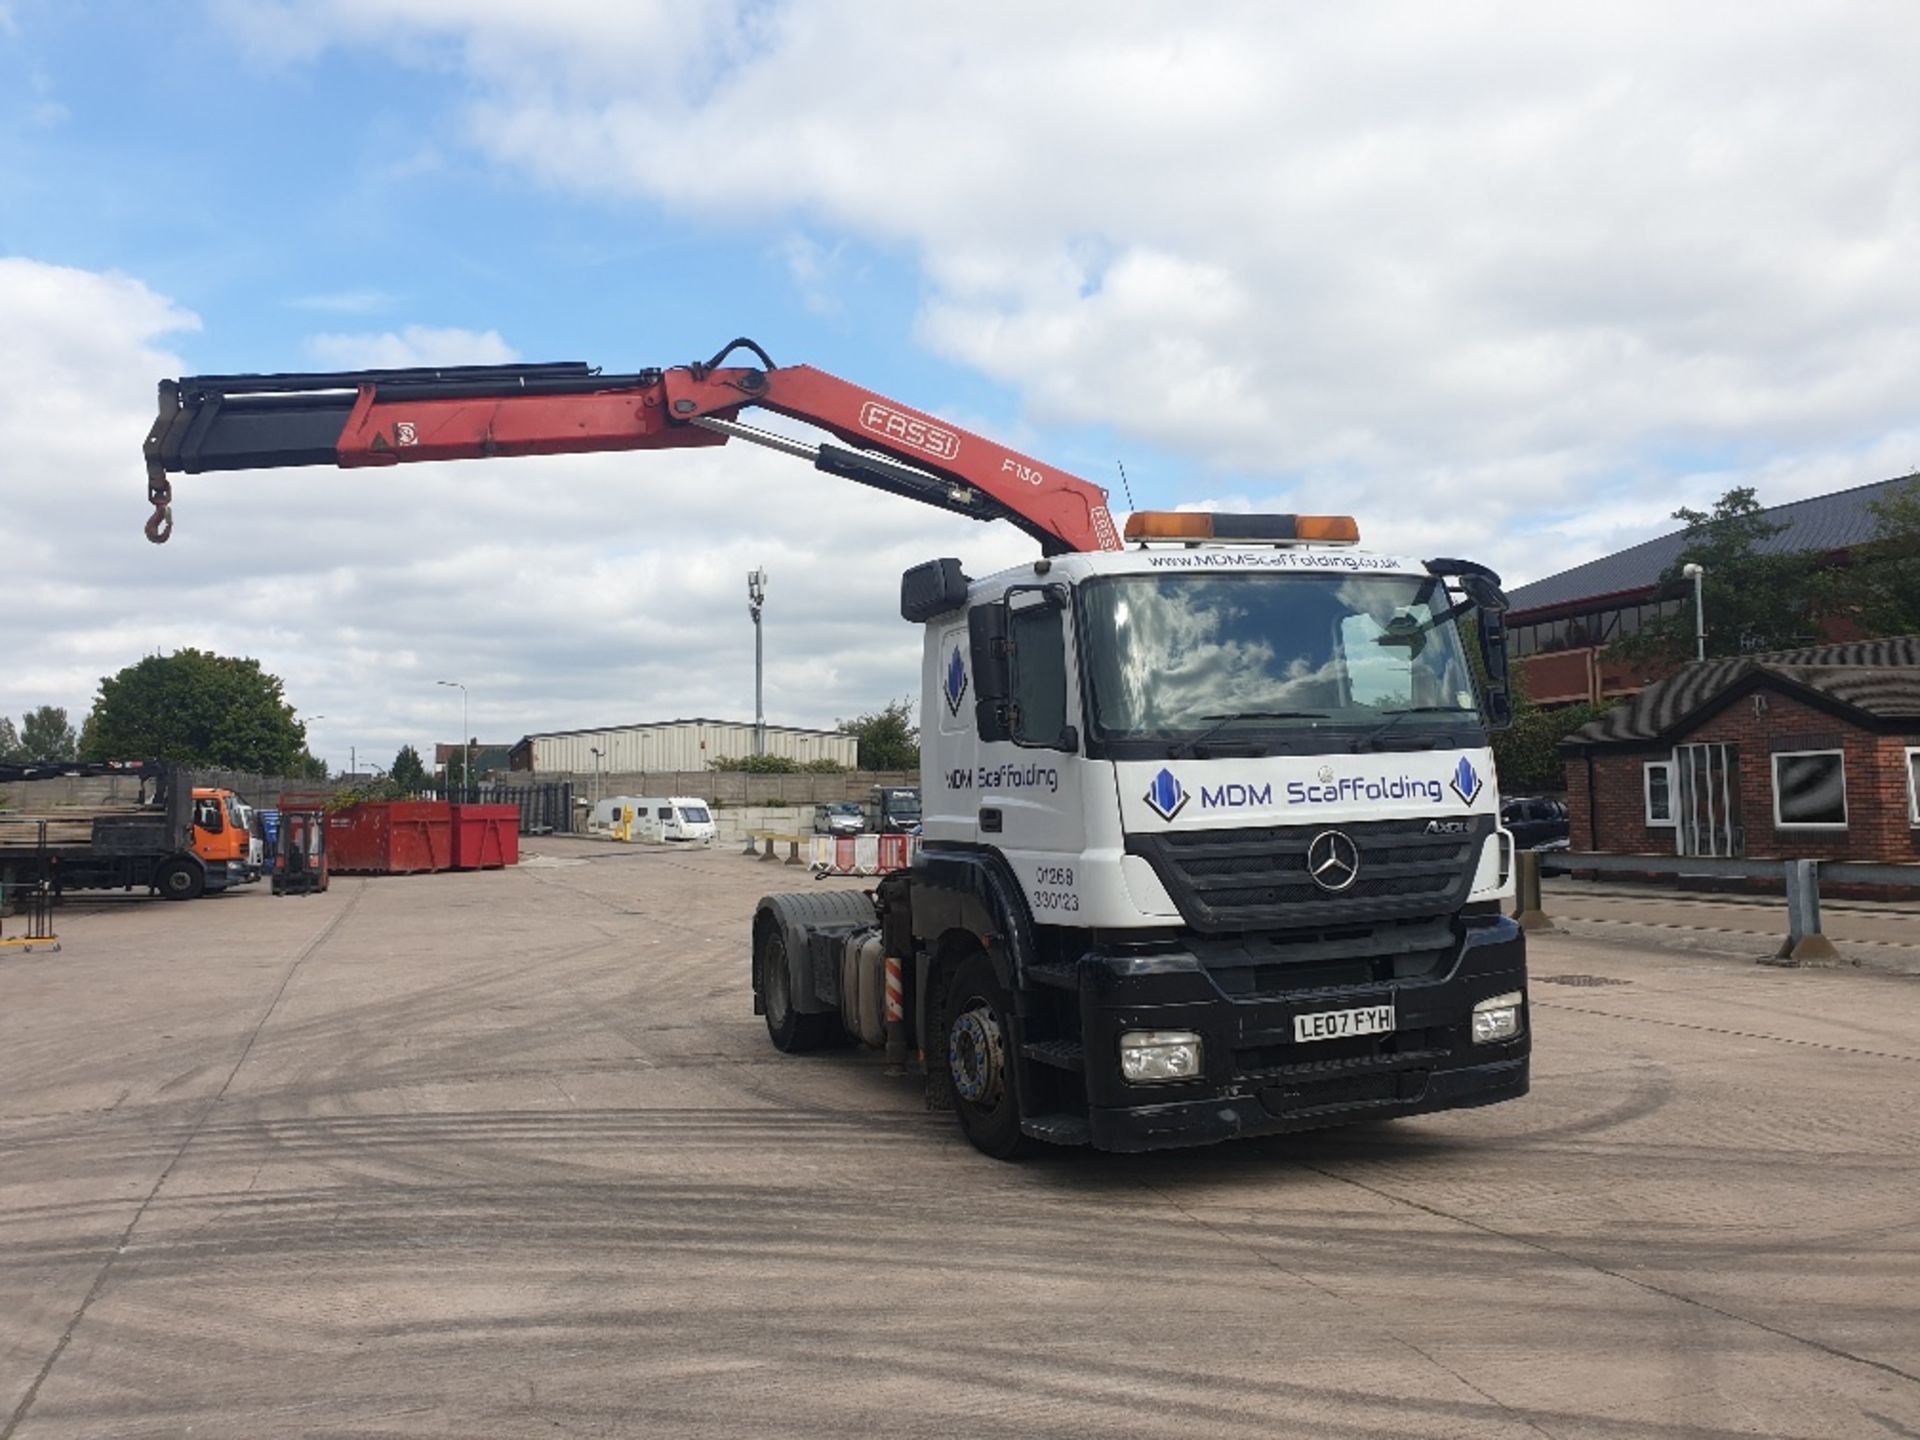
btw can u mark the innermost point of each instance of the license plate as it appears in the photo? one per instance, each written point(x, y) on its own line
point(1339, 1024)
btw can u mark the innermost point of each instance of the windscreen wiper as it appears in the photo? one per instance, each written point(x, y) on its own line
point(1192, 746)
point(1371, 740)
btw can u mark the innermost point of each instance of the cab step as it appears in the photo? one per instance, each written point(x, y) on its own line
point(1062, 1054)
point(1063, 977)
point(1058, 1129)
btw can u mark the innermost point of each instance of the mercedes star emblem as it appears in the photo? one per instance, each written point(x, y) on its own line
point(1333, 860)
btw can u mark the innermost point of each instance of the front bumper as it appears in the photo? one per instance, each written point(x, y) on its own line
point(1257, 1080)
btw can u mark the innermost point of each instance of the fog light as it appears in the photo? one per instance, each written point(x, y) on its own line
point(1154, 1057)
point(1497, 1018)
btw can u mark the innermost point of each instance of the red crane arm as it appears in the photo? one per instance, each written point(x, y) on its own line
point(399, 416)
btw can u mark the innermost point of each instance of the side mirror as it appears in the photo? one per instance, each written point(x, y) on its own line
point(1493, 654)
point(1487, 596)
point(992, 676)
point(932, 589)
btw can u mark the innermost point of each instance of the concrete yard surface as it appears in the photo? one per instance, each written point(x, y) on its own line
point(508, 1154)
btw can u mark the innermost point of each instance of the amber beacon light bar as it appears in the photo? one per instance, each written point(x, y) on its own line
point(1195, 526)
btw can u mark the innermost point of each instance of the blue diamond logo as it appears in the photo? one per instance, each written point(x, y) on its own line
point(1466, 780)
point(1165, 797)
point(955, 687)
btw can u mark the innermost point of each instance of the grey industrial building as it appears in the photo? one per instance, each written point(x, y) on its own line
point(664, 745)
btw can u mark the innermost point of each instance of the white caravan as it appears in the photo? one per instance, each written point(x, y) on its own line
point(674, 819)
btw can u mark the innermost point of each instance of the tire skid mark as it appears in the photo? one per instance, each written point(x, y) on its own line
point(25, 1406)
point(1585, 1263)
point(1698, 1028)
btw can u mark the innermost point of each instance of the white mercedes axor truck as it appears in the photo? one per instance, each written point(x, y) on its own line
point(1210, 840)
point(1211, 847)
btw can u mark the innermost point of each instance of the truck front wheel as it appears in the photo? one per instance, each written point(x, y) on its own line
point(180, 880)
point(980, 1060)
point(791, 1031)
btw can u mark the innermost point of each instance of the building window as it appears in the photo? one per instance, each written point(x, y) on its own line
point(1913, 784)
point(1658, 783)
point(1810, 790)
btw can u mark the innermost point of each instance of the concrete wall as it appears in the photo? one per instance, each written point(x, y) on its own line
point(260, 791)
point(736, 824)
point(729, 788)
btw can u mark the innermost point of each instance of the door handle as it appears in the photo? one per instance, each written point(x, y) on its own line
point(990, 821)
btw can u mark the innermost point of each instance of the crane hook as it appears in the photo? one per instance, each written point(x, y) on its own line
point(160, 491)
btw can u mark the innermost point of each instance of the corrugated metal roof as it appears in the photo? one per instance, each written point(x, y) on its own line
point(1879, 678)
point(1820, 523)
point(664, 725)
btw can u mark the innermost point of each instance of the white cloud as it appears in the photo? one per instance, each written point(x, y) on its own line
point(412, 345)
point(815, 271)
point(1495, 258)
point(564, 591)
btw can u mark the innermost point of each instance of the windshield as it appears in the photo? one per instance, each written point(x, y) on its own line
point(846, 809)
point(694, 815)
point(904, 803)
point(1172, 656)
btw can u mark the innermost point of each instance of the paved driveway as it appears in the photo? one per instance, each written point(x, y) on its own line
point(508, 1154)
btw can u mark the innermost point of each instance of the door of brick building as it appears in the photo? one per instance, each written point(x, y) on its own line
point(1706, 800)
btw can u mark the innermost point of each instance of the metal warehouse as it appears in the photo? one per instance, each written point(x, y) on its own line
point(673, 745)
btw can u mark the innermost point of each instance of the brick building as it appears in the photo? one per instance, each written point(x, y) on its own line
point(1808, 754)
point(1561, 628)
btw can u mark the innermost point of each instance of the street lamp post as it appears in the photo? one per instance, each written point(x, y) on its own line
point(756, 601)
point(596, 774)
point(1696, 574)
point(466, 754)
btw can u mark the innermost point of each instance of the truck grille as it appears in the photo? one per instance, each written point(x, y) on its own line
point(1256, 879)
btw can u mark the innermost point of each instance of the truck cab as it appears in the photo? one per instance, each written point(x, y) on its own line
point(223, 838)
point(894, 810)
point(1211, 843)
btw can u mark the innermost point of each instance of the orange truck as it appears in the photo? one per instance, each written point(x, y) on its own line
point(176, 839)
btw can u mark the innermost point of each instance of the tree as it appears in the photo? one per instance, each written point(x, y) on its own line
point(1879, 589)
point(197, 708)
point(10, 746)
point(888, 738)
point(1754, 600)
point(758, 764)
point(408, 771)
point(1526, 753)
point(46, 735)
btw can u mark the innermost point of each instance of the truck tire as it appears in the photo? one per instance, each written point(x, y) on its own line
point(180, 880)
point(792, 1032)
point(979, 1049)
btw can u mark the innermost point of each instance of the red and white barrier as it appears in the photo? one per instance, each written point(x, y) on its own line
point(862, 854)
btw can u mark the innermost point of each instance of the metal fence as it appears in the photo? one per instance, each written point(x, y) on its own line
point(1804, 939)
point(545, 809)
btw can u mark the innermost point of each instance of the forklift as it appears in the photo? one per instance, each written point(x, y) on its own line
point(300, 853)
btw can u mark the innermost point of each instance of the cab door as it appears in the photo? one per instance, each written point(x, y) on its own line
point(209, 826)
point(1028, 772)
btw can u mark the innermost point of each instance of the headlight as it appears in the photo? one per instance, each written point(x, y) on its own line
point(1497, 1018)
point(1153, 1057)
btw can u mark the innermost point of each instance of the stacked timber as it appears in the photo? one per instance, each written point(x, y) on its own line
point(20, 829)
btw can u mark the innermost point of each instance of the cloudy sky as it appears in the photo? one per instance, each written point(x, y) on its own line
point(1509, 281)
